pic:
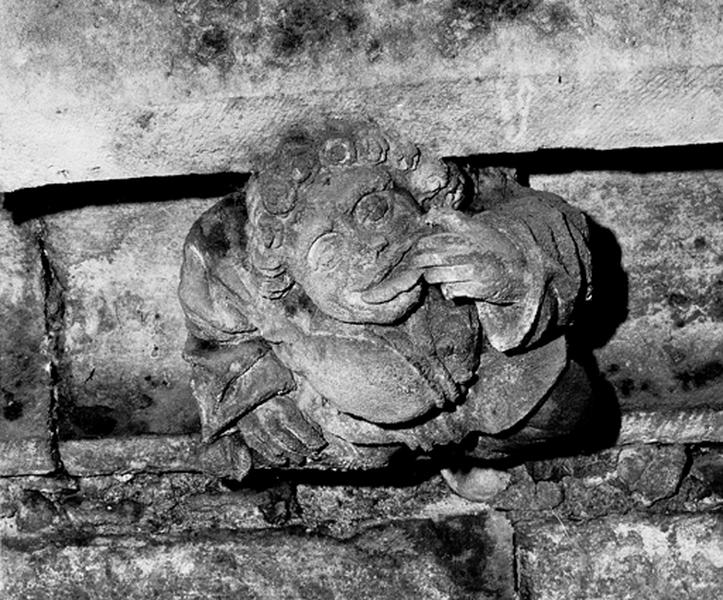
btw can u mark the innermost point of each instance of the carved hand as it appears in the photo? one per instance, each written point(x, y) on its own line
point(279, 432)
point(468, 259)
point(463, 270)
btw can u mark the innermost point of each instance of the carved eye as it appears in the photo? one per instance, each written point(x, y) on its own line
point(372, 210)
point(326, 251)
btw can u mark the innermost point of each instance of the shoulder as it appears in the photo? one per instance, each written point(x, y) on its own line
point(214, 287)
point(219, 230)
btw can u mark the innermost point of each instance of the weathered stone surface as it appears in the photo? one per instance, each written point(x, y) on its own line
point(120, 361)
point(24, 377)
point(93, 92)
point(29, 456)
point(359, 502)
point(630, 557)
point(159, 453)
point(702, 487)
point(360, 284)
point(66, 509)
point(651, 473)
point(658, 478)
point(466, 557)
point(669, 351)
point(132, 454)
point(670, 426)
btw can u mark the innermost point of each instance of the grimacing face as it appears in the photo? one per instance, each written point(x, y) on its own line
point(354, 231)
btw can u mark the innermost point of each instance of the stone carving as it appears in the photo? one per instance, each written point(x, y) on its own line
point(363, 298)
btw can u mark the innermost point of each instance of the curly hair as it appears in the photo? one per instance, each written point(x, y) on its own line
point(303, 158)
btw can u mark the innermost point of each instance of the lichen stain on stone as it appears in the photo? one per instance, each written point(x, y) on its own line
point(464, 20)
point(483, 13)
point(12, 407)
point(36, 512)
point(463, 546)
point(303, 25)
point(93, 421)
point(214, 44)
point(20, 362)
point(555, 17)
point(708, 373)
point(212, 29)
point(690, 304)
point(145, 119)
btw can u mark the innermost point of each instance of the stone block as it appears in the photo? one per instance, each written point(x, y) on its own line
point(359, 501)
point(121, 367)
point(622, 558)
point(466, 557)
point(162, 88)
point(651, 473)
point(702, 488)
point(132, 454)
point(668, 352)
point(672, 426)
point(24, 376)
point(657, 478)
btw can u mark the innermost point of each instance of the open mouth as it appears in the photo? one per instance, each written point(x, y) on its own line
point(392, 281)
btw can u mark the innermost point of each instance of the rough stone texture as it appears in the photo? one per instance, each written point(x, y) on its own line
point(701, 488)
point(671, 426)
point(465, 557)
point(65, 509)
point(132, 454)
point(361, 502)
point(671, 557)
point(69, 510)
point(94, 92)
point(669, 350)
point(651, 473)
point(404, 518)
point(24, 379)
point(29, 456)
point(120, 362)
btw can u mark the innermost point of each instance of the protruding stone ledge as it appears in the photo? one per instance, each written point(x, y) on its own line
point(136, 454)
point(467, 557)
point(160, 453)
point(704, 425)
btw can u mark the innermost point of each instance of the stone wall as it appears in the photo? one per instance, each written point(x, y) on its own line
point(93, 91)
point(109, 496)
point(102, 494)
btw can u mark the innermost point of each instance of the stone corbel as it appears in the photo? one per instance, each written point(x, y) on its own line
point(364, 298)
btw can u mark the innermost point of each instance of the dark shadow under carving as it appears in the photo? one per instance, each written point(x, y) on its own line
point(32, 203)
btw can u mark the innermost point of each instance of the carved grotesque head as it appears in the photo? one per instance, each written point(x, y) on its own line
point(337, 212)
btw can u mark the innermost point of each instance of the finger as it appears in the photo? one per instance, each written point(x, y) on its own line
point(441, 240)
point(465, 289)
point(307, 433)
point(455, 256)
point(280, 433)
point(391, 287)
point(286, 425)
point(256, 436)
point(261, 444)
point(451, 274)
